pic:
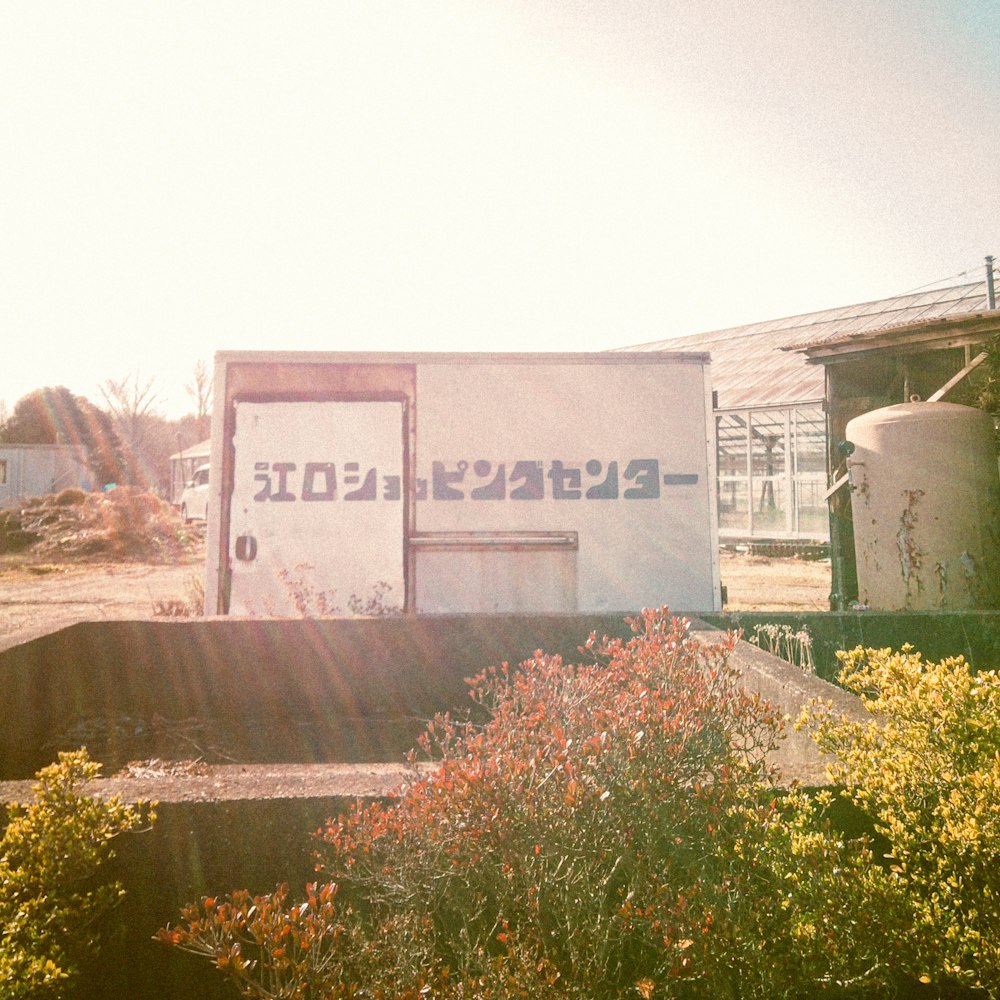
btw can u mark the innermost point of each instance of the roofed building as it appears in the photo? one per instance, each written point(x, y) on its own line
point(31, 470)
point(950, 357)
point(770, 404)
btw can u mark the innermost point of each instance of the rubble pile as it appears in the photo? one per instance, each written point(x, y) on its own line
point(122, 525)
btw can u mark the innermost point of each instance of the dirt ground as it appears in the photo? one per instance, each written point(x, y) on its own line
point(40, 597)
point(763, 583)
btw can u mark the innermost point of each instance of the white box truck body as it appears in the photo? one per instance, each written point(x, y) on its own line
point(439, 483)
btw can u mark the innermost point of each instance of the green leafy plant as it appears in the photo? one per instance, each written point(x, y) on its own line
point(986, 383)
point(51, 897)
point(926, 768)
point(606, 829)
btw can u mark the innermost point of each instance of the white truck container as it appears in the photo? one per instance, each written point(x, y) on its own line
point(488, 483)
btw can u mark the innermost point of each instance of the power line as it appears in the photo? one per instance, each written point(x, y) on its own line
point(977, 269)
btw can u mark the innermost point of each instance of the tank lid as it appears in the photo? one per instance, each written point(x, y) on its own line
point(920, 410)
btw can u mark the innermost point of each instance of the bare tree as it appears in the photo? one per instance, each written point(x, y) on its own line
point(131, 401)
point(200, 390)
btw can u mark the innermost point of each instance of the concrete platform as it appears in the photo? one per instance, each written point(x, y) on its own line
point(335, 703)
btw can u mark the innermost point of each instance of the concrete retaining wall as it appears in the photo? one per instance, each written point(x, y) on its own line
point(196, 849)
point(936, 634)
point(263, 677)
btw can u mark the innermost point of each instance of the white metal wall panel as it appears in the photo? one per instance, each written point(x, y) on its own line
point(317, 510)
point(619, 454)
point(490, 581)
point(35, 470)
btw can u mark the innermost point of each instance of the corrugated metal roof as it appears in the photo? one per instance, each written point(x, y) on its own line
point(752, 366)
point(201, 450)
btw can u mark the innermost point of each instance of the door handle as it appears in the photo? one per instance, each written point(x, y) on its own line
point(246, 548)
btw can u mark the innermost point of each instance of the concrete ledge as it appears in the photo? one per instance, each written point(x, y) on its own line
point(936, 634)
point(240, 782)
point(791, 689)
point(301, 691)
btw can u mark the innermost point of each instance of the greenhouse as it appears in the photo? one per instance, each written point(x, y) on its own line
point(772, 472)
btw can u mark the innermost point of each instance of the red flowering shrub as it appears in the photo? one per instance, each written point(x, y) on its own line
point(593, 831)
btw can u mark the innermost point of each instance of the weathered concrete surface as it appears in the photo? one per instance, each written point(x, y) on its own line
point(197, 849)
point(298, 692)
point(292, 691)
point(239, 782)
point(791, 689)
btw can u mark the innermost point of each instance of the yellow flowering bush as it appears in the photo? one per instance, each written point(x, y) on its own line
point(50, 854)
point(926, 768)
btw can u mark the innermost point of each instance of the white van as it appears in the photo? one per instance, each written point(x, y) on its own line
point(194, 499)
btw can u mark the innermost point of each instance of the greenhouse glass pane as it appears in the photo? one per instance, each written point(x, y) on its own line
point(814, 521)
point(733, 505)
point(809, 439)
point(770, 515)
point(767, 439)
point(731, 444)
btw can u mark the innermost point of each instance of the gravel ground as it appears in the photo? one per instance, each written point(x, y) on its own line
point(37, 598)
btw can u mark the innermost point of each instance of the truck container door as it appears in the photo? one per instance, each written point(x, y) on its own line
point(317, 513)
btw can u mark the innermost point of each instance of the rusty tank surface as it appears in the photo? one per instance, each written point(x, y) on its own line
point(926, 504)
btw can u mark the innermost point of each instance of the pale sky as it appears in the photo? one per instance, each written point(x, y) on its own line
point(181, 177)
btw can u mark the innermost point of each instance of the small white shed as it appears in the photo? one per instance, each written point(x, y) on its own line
point(31, 470)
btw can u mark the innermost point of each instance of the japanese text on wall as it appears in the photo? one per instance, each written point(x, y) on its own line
point(525, 479)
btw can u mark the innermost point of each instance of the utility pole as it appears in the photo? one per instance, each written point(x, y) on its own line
point(991, 297)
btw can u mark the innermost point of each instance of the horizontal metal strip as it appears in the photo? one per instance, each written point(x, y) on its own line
point(516, 540)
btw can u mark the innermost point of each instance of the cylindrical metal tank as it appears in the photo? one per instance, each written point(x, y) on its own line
point(926, 506)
